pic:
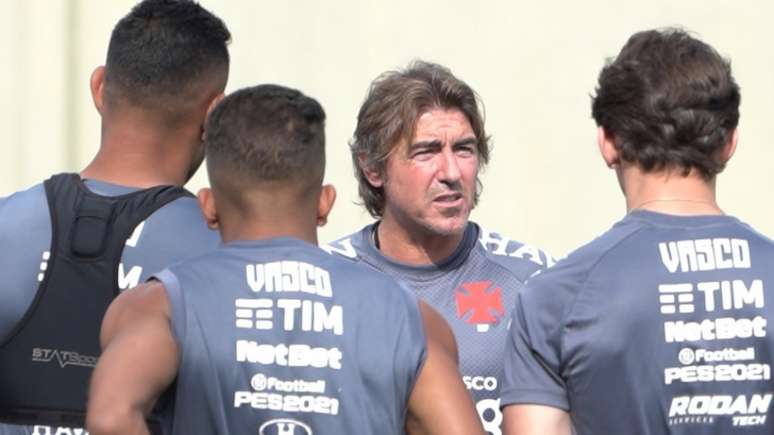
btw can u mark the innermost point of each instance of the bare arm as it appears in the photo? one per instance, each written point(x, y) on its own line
point(439, 403)
point(535, 420)
point(139, 360)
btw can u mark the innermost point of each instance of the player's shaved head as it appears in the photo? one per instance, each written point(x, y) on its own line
point(166, 56)
point(266, 137)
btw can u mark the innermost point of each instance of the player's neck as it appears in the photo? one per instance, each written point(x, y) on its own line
point(244, 229)
point(141, 158)
point(669, 192)
point(415, 247)
point(267, 215)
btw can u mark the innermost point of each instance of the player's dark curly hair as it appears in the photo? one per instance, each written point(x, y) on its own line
point(388, 115)
point(669, 101)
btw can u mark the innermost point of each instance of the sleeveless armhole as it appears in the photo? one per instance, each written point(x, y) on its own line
point(176, 304)
point(412, 336)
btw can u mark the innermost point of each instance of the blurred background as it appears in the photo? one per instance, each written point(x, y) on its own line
point(534, 64)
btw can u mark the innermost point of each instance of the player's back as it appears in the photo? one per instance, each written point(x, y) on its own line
point(657, 327)
point(173, 232)
point(279, 337)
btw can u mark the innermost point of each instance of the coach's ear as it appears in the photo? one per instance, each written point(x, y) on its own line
point(96, 84)
point(324, 206)
point(207, 204)
point(373, 176)
point(607, 148)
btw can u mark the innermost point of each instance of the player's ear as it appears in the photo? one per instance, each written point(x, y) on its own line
point(730, 146)
point(371, 174)
point(213, 103)
point(607, 148)
point(207, 204)
point(97, 86)
point(324, 206)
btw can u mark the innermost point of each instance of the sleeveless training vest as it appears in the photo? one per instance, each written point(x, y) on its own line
point(278, 337)
point(47, 360)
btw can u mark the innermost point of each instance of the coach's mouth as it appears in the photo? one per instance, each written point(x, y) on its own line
point(448, 199)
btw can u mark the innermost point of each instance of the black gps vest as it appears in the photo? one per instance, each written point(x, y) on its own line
point(47, 360)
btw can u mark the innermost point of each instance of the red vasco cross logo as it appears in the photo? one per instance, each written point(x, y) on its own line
point(473, 297)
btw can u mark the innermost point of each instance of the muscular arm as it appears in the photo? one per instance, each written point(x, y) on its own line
point(535, 420)
point(439, 403)
point(139, 360)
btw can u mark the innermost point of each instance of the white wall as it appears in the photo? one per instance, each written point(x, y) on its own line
point(534, 64)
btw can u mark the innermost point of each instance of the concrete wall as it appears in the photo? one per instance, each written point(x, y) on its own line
point(534, 64)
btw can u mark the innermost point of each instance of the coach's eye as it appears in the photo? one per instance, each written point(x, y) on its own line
point(466, 150)
point(422, 153)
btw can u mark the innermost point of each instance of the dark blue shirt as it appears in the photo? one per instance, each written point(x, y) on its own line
point(659, 326)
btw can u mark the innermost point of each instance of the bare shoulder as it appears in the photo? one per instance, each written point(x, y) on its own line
point(146, 301)
point(439, 402)
point(147, 298)
point(437, 331)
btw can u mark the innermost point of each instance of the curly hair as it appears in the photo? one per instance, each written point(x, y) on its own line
point(669, 101)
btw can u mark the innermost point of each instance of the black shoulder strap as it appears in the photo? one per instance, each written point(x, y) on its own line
point(45, 364)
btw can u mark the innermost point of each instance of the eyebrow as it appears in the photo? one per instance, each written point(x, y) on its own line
point(437, 143)
point(467, 141)
point(426, 144)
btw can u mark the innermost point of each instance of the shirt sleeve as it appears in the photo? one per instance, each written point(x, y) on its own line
point(533, 351)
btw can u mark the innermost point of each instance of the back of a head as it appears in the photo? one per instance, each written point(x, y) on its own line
point(166, 56)
point(670, 102)
point(388, 115)
point(266, 137)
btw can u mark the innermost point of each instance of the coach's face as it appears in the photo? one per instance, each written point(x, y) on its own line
point(430, 182)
